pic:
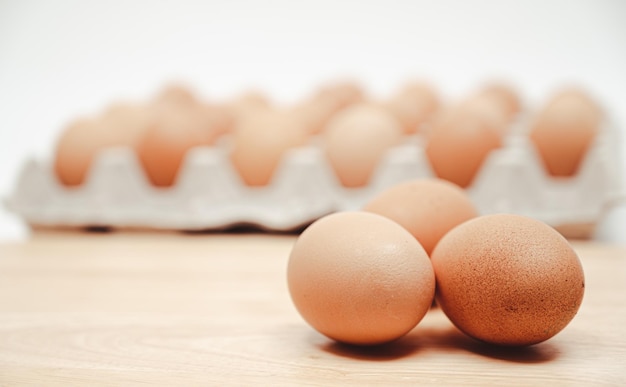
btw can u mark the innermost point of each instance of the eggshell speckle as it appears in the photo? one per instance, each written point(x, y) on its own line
point(507, 279)
point(427, 208)
point(360, 278)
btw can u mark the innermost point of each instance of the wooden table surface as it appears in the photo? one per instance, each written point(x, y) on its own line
point(169, 309)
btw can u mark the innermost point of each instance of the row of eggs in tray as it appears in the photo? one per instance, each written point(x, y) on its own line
point(354, 131)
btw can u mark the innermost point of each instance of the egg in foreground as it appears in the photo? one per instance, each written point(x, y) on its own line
point(360, 278)
point(507, 279)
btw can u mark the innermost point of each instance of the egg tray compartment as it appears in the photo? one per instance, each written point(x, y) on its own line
point(210, 195)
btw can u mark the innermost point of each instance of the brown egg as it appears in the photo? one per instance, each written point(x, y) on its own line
point(427, 208)
point(341, 94)
point(565, 130)
point(413, 106)
point(251, 100)
point(177, 128)
point(508, 279)
point(327, 102)
point(575, 95)
point(503, 97)
point(129, 120)
point(175, 94)
point(360, 278)
point(76, 148)
point(459, 143)
point(121, 125)
point(356, 141)
point(488, 109)
point(220, 118)
point(260, 139)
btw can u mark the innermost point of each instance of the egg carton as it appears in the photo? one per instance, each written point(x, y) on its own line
point(210, 195)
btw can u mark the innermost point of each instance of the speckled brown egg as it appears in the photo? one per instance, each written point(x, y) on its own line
point(459, 143)
point(360, 278)
point(356, 141)
point(427, 208)
point(565, 130)
point(507, 279)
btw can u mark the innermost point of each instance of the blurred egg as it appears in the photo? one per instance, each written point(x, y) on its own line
point(175, 94)
point(327, 102)
point(76, 148)
point(341, 94)
point(128, 120)
point(427, 208)
point(573, 95)
point(220, 118)
point(459, 143)
point(360, 278)
point(485, 108)
point(508, 280)
point(357, 139)
point(260, 139)
point(122, 124)
point(565, 130)
point(504, 98)
point(251, 100)
point(176, 129)
point(413, 106)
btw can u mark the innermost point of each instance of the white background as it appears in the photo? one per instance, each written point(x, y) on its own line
point(62, 59)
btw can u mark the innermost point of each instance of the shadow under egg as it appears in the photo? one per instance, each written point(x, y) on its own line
point(537, 353)
point(396, 349)
point(452, 339)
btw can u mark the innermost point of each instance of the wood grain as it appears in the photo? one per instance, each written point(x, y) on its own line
point(168, 309)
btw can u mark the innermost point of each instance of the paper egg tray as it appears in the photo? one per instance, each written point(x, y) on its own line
point(209, 193)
